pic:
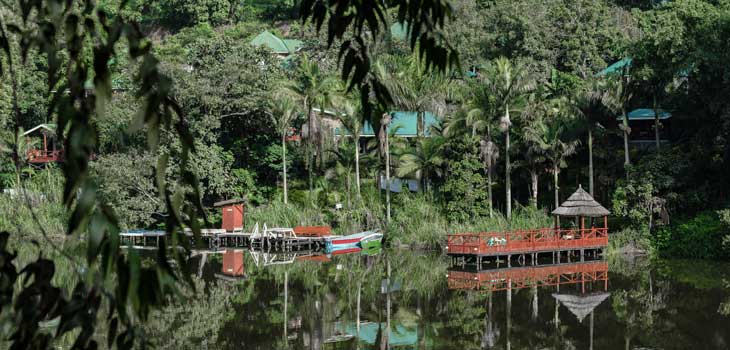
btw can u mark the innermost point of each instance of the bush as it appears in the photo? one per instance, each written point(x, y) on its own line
point(700, 237)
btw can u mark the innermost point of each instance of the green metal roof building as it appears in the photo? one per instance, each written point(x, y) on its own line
point(280, 46)
point(404, 123)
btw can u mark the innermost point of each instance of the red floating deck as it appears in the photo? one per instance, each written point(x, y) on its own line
point(526, 241)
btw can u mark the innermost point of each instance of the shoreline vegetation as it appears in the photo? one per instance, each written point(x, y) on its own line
point(417, 222)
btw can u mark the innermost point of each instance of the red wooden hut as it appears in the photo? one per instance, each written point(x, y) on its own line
point(47, 151)
point(232, 211)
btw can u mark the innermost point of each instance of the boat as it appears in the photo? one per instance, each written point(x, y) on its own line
point(352, 242)
point(372, 241)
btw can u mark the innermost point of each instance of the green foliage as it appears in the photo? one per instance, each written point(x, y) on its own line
point(196, 318)
point(636, 201)
point(465, 188)
point(700, 237)
point(243, 185)
point(417, 221)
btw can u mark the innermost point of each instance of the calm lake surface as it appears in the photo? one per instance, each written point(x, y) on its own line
point(616, 303)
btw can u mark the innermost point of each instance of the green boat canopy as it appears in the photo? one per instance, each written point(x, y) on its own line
point(404, 123)
point(273, 42)
point(646, 114)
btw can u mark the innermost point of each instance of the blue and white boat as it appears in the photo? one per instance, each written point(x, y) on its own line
point(351, 243)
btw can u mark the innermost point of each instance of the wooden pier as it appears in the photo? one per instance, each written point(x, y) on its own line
point(583, 239)
point(260, 238)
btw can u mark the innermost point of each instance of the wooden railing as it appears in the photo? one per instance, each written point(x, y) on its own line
point(526, 241)
point(44, 156)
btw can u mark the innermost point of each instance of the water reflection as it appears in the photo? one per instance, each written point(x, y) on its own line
point(409, 300)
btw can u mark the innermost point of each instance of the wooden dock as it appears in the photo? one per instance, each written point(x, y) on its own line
point(478, 247)
point(260, 238)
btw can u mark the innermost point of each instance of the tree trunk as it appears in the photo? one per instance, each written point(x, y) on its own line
point(357, 165)
point(310, 156)
point(555, 185)
point(387, 175)
point(656, 125)
point(557, 190)
point(534, 178)
point(590, 161)
point(627, 161)
point(283, 167)
point(489, 187)
point(508, 180)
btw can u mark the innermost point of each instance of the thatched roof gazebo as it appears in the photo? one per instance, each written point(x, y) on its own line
point(581, 205)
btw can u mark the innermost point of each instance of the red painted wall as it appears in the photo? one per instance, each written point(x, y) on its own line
point(232, 217)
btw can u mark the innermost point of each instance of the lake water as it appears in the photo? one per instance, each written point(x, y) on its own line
point(279, 302)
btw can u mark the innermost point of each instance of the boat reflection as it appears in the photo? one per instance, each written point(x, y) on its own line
point(585, 276)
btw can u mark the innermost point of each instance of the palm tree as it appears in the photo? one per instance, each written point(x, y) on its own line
point(589, 103)
point(533, 160)
point(413, 87)
point(351, 118)
point(284, 113)
point(480, 116)
point(385, 120)
point(425, 160)
point(547, 138)
point(508, 84)
point(312, 89)
point(616, 100)
point(489, 153)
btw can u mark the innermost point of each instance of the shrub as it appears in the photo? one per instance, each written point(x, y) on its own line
point(700, 237)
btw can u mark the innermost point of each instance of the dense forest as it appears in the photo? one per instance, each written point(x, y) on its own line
point(626, 99)
point(531, 74)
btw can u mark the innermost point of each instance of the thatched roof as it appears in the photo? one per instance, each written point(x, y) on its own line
point(581, 203)
point(581, 305)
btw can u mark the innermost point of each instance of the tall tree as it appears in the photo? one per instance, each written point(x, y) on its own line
point(616, 100)
point(509, 83)
point(480, 117)
point(385, 147)
point(349, 115)
point(589, 103)
point(489, 154)
point(413, 88)
point(312, 89)
point(548, 137)
point(284, 112)
point(425, 160)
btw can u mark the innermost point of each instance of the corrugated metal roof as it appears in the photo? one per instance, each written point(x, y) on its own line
point(47, 127)
point(646, 114)
point(616, 68)
point(273, 42)
point(405, 124)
